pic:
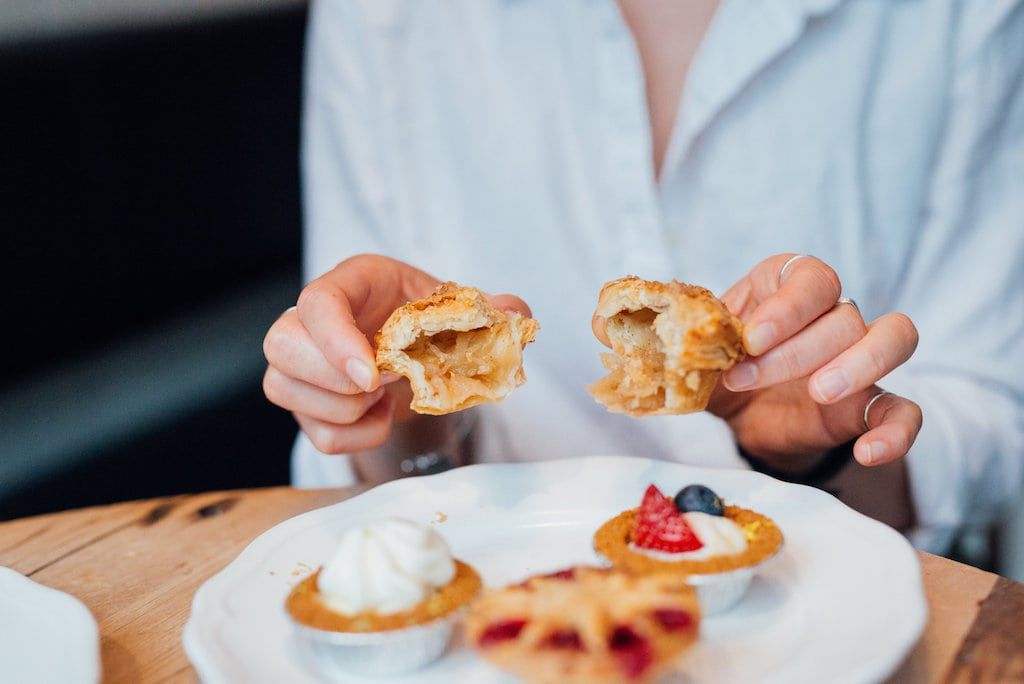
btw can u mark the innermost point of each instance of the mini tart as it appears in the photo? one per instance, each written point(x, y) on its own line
point(764, 538)
point(593, 625)
point(306, 607)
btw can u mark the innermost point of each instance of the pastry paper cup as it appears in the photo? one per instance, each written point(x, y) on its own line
point(719, 591)
point(377, 653)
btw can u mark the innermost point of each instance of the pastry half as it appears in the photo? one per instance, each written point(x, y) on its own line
point(585, 625)
point(455, 348)
point(670, 342)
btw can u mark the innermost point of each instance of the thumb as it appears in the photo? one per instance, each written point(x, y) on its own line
point(508, 302)
point(598, 325)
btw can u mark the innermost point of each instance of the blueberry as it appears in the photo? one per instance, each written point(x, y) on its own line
point(698, 498)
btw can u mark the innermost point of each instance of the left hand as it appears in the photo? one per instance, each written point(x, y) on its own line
point(812, 368)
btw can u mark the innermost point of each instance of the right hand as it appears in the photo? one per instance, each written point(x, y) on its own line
point(321, 362)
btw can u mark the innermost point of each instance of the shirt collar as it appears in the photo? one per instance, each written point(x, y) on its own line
point(744, 37)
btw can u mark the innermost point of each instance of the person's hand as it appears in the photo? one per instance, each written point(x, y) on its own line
point(812, 368)
point(321, 361)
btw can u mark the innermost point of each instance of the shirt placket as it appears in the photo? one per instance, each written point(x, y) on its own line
point(636, 217)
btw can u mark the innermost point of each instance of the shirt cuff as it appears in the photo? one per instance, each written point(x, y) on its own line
point(313, 469)
point(956, 470)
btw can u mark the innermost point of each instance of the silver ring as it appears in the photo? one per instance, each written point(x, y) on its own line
point(871, 402)
point(847, 300)
point(789, 261)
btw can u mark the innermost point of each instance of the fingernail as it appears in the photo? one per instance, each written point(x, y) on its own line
point(831, 384)
point(359, 373)
point(388, 377)
point(761, 337)
point(741, 376)
point(874, 452)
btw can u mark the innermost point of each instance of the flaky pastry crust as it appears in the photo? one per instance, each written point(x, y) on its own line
point(593, 625)
point(455, 348)
point(670, 342)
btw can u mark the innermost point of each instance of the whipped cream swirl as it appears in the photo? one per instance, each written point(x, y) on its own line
point(720, 536)
point(386, 566)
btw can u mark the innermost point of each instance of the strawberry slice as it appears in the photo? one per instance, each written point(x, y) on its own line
point(659, 526)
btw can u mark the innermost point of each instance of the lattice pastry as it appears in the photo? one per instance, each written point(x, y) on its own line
point(585, 624)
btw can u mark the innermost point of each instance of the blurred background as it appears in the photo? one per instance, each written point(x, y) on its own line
point(151, 232)
point(150, 236)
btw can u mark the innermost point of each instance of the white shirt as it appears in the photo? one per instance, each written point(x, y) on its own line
point(505, 144)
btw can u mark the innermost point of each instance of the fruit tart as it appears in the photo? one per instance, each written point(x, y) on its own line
point(694, 536)
point(386, 600)
point(583, 624)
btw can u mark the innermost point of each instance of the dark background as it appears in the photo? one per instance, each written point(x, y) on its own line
point(149, 182)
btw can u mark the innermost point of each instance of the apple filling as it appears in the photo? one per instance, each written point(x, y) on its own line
point(463, 367)
point(637, 367)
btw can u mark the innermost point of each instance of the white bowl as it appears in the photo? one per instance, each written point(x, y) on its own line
point(45, 634)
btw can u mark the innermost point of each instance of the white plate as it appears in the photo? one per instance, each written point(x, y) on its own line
point(45, 634)
point(843, 602)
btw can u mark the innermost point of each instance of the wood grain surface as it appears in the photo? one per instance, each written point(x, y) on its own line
point(136, 565)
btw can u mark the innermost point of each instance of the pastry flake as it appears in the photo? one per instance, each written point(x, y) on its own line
point(455, 348)
point(670, 342)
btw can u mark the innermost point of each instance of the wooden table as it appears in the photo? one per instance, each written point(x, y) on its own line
point(136, 565)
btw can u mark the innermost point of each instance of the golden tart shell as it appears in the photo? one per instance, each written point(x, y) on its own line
point(764, 539)
point(306, 607)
